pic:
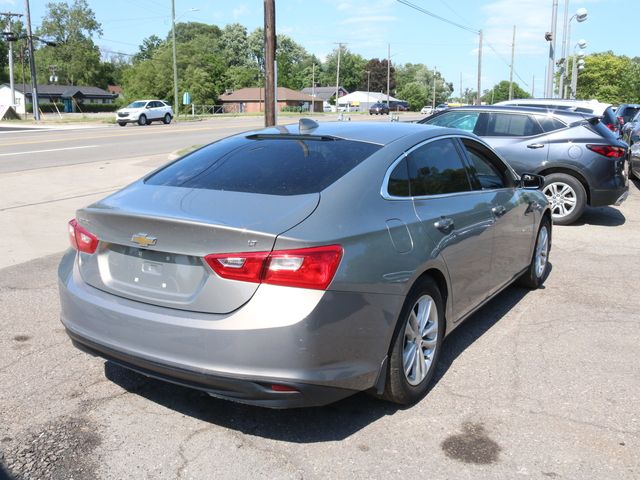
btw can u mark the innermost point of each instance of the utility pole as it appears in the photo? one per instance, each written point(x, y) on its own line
point(32, 65)
point(513, 53)
point(388, 71)
point(8, 15)
point(533, 87)
point(460, 86)
point(313, 86)
point(338, 75)
point(269, 62)
point(479, 67)
point(433, 98)
point(368, 88)
point(552, 50)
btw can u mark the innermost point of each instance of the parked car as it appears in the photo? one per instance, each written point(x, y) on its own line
point(379, 109)
point(634, 161)
point(631, 130)
point(237, 269)
point(441, 107)
point(625, 113)
point(426, 110)
point(604, 110)
point(398, 106)
point(583, 161)
point(143, 112)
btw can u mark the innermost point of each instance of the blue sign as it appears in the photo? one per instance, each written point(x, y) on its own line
point(186, 99)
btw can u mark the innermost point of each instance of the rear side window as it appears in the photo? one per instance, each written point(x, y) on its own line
point(511, 125)
point(436, 168)
point(549, 124)
point(462, 120)
point(399, 181)
point(267, 166)
point(629, 113)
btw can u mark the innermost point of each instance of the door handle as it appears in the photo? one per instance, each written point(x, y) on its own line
point(535, 145)
point(499, 210)
point(444, 224)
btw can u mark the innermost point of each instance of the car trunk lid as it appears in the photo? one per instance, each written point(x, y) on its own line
point(153, 240)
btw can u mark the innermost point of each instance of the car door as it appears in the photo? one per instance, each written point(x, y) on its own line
point(156, 109)
point(511, 208)
point(517, 137)
point(456, 219)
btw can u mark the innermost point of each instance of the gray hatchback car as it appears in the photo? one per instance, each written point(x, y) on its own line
point(582, 160)
point(298, 265)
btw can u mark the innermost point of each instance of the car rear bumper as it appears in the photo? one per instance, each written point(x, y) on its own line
point(601, 198)
point(326, 345)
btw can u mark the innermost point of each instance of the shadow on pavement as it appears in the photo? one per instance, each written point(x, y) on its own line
point(601, 216)
point(311, 425)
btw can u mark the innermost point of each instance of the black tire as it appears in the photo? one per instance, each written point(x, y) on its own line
point(142, 120)
point(559, 180)
point(167, 119)
point(398, 388)
point(122, 124)
point(534, 277)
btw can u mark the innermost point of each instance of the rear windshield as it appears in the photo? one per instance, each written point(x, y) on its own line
point(267, 166)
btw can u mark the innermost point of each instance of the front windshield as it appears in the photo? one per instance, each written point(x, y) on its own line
point(137, 105)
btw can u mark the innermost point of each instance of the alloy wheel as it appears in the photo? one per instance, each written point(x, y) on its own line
point(562, 198)
point(420, 340)
point(542, 251)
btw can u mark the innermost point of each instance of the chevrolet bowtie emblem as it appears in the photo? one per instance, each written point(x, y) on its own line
point(144, 239)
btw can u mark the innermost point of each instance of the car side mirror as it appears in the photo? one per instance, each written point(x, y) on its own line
point(531, 181)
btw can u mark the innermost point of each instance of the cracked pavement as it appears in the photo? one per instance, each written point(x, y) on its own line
point(540, 384)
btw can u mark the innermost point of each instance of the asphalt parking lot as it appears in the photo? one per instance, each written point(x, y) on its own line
point(539, 384)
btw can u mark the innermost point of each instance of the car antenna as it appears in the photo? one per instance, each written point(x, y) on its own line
point(306, 125)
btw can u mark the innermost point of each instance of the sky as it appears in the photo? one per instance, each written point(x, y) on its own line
point(370, 27)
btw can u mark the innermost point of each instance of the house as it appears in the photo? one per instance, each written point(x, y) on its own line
point(361, 101)
point(73, 97)
point(324, 94)
point(251, 100)
point(115, 90)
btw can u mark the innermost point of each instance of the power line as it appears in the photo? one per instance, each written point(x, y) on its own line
point(506, 63)
point(442, 19)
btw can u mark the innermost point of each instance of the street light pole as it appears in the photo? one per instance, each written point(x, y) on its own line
point(513, 52)
point(479, 102)
point(338, 76)
point(552, 50)
point(388, 71)
point(176, 109)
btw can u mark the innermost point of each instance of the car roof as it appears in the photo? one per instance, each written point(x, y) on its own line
point(596, 106)
point(566, 115)
point(381, 133)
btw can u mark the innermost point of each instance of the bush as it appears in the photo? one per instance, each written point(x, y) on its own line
point(289, 108)
point(84, 107)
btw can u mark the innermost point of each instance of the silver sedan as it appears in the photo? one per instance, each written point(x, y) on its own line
point(295, 266)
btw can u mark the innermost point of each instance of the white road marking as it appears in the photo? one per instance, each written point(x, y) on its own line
point(50, 150)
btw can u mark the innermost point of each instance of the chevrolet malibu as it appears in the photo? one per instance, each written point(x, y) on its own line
point(295, 266)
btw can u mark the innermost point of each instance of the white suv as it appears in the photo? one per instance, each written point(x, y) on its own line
point(143, 112)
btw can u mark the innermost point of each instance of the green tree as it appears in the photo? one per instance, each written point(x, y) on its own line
point(378, 77)
point(609, 78)
point(76, 57)
point(235, 46)
point(500, 92)
point(412, 77)
point(148, 47)
point(351, 67)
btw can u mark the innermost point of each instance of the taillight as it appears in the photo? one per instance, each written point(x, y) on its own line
point(304, 268)
point(608, 150)
point(81, 239)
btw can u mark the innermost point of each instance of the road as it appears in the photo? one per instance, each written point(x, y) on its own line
point(536, 385)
